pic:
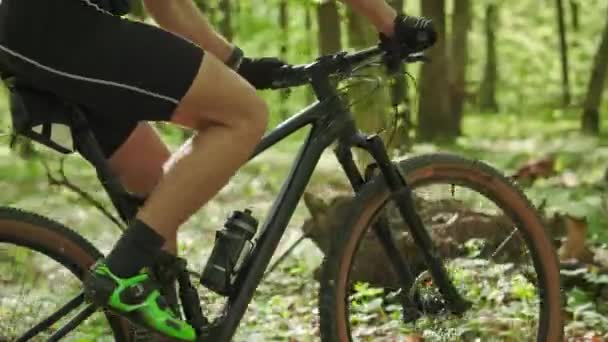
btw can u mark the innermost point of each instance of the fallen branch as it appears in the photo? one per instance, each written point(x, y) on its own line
point(285, 255)
point(63, 181)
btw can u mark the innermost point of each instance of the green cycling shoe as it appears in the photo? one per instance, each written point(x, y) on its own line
point(138, 299)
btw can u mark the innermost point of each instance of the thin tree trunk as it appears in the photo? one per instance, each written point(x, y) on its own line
point(236, 10)
point(487, 91)
point(368, 103)
point(369, 111)
point(226, 21)
point(284, 25)
point(563, 48)
point(574, 12)
point(461, 23)
point(329, 27)
point(400, 99)
point(434, 114)
point(591, 116)
point(309, 44)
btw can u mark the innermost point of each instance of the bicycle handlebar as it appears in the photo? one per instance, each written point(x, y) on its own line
point(298, 75)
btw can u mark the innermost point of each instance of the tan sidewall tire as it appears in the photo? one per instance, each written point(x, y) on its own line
point(429, 169)
point(58, 242)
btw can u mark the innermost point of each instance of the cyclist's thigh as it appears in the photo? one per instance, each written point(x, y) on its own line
point(219, 95)
point(123, 72)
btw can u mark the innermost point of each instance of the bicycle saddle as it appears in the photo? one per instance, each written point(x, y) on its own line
point(40, 115)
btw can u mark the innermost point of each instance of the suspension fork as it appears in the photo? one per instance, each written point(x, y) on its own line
point(402, 195)
point(381, 228)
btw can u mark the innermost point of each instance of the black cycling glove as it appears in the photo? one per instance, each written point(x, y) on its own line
point(260, 72)
point(412, 34)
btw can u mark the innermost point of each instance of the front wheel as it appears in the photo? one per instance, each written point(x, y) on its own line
point(490, 239)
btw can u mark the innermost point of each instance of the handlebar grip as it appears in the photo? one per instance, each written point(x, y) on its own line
point(288, 76)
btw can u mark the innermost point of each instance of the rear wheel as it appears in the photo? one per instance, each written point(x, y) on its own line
point(42, 264)
point(490, 239)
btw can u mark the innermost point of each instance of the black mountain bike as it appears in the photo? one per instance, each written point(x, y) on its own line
point(435, 245)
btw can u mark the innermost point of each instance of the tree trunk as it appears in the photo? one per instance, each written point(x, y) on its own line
point(225, 24)
point(434, 115)
point(369, 103)
point(370, 112)
point(574, 11)
point(563, 48)
point(461, 24)
point(236, 10)
point(487, 92)
point(309, 48)
point(591, 115)
point(284, 25)
point(400, 98)
point(329, 27)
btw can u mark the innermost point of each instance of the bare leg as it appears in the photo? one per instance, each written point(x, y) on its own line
point(140, 172)
point(233, 119)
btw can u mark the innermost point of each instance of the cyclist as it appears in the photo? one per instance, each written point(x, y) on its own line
point(127, 73)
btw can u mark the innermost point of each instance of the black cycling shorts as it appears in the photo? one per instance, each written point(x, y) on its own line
point(121, 71)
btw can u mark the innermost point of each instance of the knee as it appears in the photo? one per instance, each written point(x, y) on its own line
point(253, 118)
point(260, 119)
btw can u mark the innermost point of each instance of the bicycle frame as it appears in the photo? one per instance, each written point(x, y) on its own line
point(330, 121)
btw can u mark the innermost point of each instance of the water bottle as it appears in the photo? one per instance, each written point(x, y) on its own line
point(233, 244)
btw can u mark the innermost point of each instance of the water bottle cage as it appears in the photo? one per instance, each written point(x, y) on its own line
point(233, 246)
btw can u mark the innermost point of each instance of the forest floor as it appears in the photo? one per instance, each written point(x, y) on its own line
point(285, 305)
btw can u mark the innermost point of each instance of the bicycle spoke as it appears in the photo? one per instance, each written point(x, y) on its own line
point(56, 316)
point(503, 243)
point(73, 323)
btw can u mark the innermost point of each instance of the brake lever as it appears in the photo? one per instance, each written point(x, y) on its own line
point(394, 62)
point(395, 66)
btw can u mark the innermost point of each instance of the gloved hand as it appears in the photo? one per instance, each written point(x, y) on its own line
point(411, 34)
point(260, 72)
